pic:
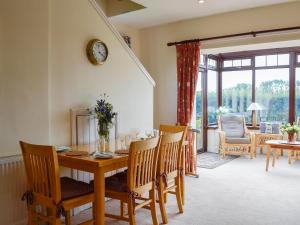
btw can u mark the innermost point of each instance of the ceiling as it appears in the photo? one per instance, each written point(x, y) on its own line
point(167, 11)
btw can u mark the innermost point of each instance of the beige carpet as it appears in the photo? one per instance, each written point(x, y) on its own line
point(237, 193)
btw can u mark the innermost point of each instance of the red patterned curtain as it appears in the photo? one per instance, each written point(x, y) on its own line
point(188, 56)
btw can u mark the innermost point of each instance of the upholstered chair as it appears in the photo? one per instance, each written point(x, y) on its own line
point(235, 139)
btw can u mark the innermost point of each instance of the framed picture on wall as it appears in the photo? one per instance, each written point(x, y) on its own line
point(127, 39)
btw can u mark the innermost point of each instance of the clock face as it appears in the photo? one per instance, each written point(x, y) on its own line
point(97, 52)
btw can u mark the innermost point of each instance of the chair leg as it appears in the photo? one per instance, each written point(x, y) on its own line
point(131, 211)
point(55, 220)
point(121, 208)
point(165, 197)
point(274, 157)
point(68, 218)
point(94, 211)
point(162, 204)
point(182, 188)
point(178, 194)
point(30, 214)
point(152, 206)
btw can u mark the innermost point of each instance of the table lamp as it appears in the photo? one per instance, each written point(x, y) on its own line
point(254, 107)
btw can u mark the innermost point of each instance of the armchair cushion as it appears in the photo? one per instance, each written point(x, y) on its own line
point(233, 125)
point(230, 140)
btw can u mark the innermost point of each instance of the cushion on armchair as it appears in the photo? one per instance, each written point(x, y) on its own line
point(233, 125)
point(243, 140)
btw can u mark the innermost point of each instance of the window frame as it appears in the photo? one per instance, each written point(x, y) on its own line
point(293, 52)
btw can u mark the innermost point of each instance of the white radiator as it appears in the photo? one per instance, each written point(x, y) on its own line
point(12, 186)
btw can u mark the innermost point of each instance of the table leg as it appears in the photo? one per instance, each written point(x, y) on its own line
point(290, 157)
point(268, 157)
point(99, 187)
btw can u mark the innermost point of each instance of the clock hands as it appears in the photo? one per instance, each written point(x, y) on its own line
point(101, 54)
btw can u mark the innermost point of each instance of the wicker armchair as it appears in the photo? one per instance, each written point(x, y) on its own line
point(295, 155)
point(235, 139)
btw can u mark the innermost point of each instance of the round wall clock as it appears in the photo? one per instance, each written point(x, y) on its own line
point(97, 51)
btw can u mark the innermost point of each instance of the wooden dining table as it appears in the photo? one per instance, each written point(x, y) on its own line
point(98, 167)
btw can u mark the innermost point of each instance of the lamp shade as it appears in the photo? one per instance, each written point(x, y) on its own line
point(254, 106)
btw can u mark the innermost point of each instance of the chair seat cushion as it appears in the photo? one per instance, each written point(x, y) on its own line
point(71, 188)
point(117, 182)
point(231, 140)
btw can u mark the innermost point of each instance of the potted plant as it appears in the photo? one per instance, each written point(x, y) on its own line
point(105, 115)
point(291, 130)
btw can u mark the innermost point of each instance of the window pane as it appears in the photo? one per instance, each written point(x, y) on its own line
point(237, 92)
point(246, 62)
point(260, 61)
point(198, 103)
point(237, 63)
point(297, 92)
point(272, 93)
point(201, 59)
point(283, 59)
point(212, 62)
point(272, 60)
point(228, 63)
point(212, 104)
point(298, 58)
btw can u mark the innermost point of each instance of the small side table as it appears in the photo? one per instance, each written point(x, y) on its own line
point(279, 144)
point(261, 138)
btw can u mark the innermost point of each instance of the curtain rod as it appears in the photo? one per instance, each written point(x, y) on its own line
point(252, 33)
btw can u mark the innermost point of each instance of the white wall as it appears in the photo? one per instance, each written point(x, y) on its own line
point(24, 74)
point(75, 82)
point(45, 72)
point(160, 60)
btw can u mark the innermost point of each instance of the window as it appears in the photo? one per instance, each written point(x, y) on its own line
point(237, 63)
point(212, 103)
point(272, 60)
point(212, 63)
point(237, 92)
point(297, 101)
point(198, 103)
point(272, 93)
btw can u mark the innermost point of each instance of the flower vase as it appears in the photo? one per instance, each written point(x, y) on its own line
point(291, 137)
point(102, 144)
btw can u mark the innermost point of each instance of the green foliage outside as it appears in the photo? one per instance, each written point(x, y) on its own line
point(273, 95)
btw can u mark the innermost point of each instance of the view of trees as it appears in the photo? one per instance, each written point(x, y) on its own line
point(272, 95)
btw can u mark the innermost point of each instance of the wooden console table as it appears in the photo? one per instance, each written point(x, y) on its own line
point(279, 144)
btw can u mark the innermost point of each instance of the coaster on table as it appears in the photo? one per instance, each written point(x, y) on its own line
point(77, 153)
point(122, 151)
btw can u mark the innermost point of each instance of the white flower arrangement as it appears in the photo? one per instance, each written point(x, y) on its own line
point(222, 110)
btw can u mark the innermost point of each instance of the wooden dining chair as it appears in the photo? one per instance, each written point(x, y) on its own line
point(170, 171)
point(49, 196)
point(130, 186)
point(166, 129)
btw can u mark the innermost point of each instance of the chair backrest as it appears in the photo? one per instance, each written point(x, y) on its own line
point(170, 152)
point(233, 125)
point(142, 165)
point(165, 129)
point(42, 171)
